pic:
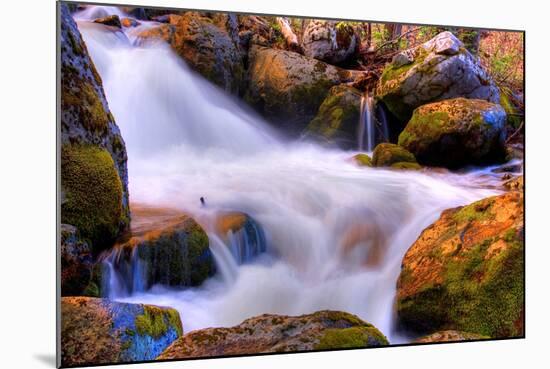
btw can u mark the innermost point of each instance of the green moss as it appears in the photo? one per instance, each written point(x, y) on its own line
point(363, 160)
point(155, 321)
point(406, 166)
point(513, 114)
point(476, 211)
point(386, 154)
point(341, 316)
point(93, 193)
point(353, 337)
point(424, 128)
point(197, 242)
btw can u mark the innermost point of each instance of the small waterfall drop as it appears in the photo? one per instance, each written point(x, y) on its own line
point(373, 124)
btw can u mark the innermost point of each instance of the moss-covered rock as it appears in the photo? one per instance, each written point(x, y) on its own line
point(387, 154)
point(92, 193)
point(164, 246)
point(330, 41)
point(89, 128)
point(337, 120)
point(450, 336)
point(466, 271)
point(76, 262)
point(206, 45)
point(439, 69)
point(278, 333)
point(99, 331)
point(456, 132)
point(288, 88)
point(362, 160)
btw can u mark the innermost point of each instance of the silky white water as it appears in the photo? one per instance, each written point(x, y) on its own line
point(336, 233)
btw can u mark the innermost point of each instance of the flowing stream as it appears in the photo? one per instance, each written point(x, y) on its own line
point(335, 233)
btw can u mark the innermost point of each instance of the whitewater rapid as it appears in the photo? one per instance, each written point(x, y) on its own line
point(188, 139)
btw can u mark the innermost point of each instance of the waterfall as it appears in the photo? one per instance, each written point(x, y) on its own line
point(373, 124)
point(321, 215)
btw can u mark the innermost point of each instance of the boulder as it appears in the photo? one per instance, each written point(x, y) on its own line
point(323, 330)
point(514, 184)
point(163, 246)
point(205, 47)
point(338, 117)
point(255, 30)
point(363, 160)
point(330, 41)
point(76, 262)
point(99, 331)
point(439, 69)
point(94, 175)
point(450, 336)
point(456, 132)
point(391, 155)
point(111, 20)
point(466, 271)
point(243, 235)
point(288, 88)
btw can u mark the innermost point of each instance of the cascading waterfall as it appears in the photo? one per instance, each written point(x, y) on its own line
point(372, 124)
point(335, 234)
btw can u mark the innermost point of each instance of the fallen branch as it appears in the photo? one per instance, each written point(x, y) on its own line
point(392, 41)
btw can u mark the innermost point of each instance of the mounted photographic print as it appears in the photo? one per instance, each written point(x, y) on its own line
point(242, 184)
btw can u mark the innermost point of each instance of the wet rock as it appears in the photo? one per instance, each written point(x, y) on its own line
point(288, 88)
point(456, 132)
point(465, 271)
point(94, 176)
point(337, 120)
point(391, 155)
point(322, 330)
point(514, 184)
point(450, 336)
point(111, 20)
point(243, 235)
point(129, 22)
point(439, 69)
point(163, 246)
point(76, 262)
point(330, 41)
point(363, 160)
point(100, 331)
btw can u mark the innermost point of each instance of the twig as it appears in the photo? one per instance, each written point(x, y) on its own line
point(397, 38)
point(516, 132)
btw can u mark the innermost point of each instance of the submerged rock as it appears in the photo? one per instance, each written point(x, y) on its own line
point(111, 20)
point(439, 69)
point(456, 132)
point(100, 331)
point(465, 271)
point(330, 41)
point(338, 117)
point(288, 88)
point(363, 160)
point(76, 262)
point(322, 330)
point(244, 236)
point(94, 175)
point(391, 155)
point(206, 48)
point(450, 336)
point(164, 246)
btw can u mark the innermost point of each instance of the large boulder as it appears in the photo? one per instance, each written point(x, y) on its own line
point(391, 155)
point(456, 132)
point(94, 175)
point(439, 69)
point(330, 41)
point(76, 262)
point(99, 331)
point(466, 271)
point(338, 117)
point(288, 88)
point(450, 336)
point(209, 49)
point(322, 330)
point(163, 246)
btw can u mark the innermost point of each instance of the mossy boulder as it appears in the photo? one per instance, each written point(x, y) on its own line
point(100, 331)
point(337, 120)
point(288, 88)
point(163, 246)
point(330, 41)
point(76, 262)
point(456, 132)
point(442, 68)
point(466, 271)
point(243, 235)
point(363, 160)
point(206, 45)
point(450, 336)
point(387, 154)
point(266, 333)
point(91, 141)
